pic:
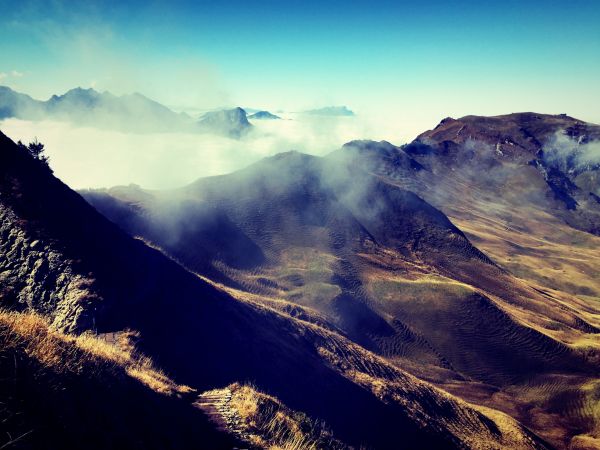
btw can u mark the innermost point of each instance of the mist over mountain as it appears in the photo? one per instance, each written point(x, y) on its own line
point(331, 111)
point(229, 122)
point(376, 276)
point(170, 159)
point(263, 115)
point(299, 225)
point(555, 154)
point(113, 284)
point(434, 255)
point(441, 271)
point(133, 113)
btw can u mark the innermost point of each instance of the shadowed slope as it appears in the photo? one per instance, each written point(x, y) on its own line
point(499, 180)
point(332, 233)
point(205, 338)
point(345, 236)
point(58, 391)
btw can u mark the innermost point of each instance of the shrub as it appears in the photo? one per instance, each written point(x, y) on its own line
point(36, 149)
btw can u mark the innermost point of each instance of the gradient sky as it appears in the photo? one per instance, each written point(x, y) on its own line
point(416, 61)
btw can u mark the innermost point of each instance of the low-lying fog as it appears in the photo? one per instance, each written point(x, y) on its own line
point(85, 157)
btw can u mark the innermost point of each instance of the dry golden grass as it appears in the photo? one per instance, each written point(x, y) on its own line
point(585, 442)
point(375, 374)
point(393, 386)
point(541, 250)
point(271, 425)
point(302, 275)
point(563, 409)
point(65, 353)
point(387, 288)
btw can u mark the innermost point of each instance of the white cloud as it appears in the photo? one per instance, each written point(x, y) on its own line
point(11, 74)
point(87, 157)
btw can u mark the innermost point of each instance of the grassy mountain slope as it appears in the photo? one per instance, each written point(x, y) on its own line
point(346, 237)
point(205, 338)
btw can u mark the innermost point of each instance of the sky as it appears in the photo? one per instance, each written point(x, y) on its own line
point(402, 66)
point(417, 60)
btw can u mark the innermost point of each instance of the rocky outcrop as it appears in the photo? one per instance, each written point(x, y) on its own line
point(228, 122)
point(37, 276)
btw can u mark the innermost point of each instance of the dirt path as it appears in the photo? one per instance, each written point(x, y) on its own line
point(216, 404)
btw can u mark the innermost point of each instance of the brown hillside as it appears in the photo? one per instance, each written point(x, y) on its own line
point(207, 339)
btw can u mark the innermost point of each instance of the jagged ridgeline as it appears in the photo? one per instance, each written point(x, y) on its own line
point(421, 296)
point(133, 113)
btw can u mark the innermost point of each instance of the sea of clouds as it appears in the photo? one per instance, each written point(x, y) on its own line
point(87, 157)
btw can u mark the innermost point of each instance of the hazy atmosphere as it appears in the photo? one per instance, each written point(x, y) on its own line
point(300, 225)
point(84, 156)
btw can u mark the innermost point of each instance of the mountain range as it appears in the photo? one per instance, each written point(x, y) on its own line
point(440, 294)
point(129, 113)
point(332, 111)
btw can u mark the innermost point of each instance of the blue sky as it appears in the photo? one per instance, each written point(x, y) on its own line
point(417, 61)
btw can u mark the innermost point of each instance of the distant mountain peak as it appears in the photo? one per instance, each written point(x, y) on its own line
point(264, 115)
point(79, 91)
point(129, 112)
point(369, 145)
point(331, 111)
point(230, 122)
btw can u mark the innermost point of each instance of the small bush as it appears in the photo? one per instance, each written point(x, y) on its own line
point(36, 149)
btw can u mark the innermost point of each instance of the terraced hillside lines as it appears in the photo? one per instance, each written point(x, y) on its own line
point(379, 265)
point(541, 250)
point(564, 407)
point(395, 387)
point(563, 259)
point(539, 242)
point(461, 324)
point(519, 215)
point(388, 382)
point(205, 338)
point(529, 242)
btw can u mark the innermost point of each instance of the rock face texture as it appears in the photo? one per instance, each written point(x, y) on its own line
point(28, 276)
point(35, 271)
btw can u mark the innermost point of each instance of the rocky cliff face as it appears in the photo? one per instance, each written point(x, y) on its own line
point(62, 258)
point(28, 278)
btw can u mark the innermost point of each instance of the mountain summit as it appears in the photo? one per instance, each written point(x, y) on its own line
point(230, 122)
point(556, 154)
